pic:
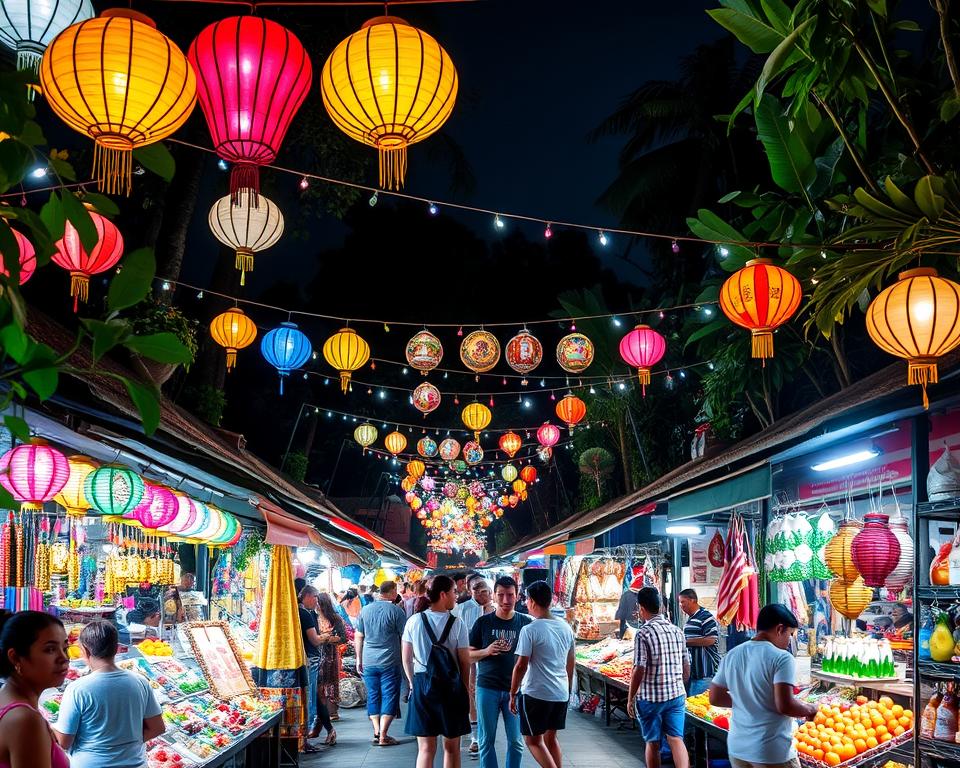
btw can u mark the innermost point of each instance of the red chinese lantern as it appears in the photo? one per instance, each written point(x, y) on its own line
point(252, 76)
point(72, 256)
point(510, 443)
point(528, 474)
point(548, 434)
point(34, 473)
point(571, 410)
point(642, 349)
point(875, 550)
point(27, 258)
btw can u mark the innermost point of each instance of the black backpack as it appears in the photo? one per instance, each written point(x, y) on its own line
point(443, 671)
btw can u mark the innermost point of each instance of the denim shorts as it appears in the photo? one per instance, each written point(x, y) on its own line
point(660, 718)
point(383, 690)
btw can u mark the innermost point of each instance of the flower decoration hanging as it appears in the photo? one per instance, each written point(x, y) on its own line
point(760, 297)
point(427, 447)
point(472, 453)
point(248, 226)
point(428, 484)
point(510, 443)
point(73, 257)
point(575, 353)
point(27, 256)
point(34, 473)
point(548, 434)
point(450, 489)
point(571, 410)
point(286, 348)
point(347, 352)
point(72, 496)
point(459, 466)
point(233, 331)
point(27, 27)
point(449, 449)
point(476, 416)
point(524, 352)
point(395, 442)
point(424, 351)
point(642, 348)
point(509, 473)
point(426, 398)
point(480, 351)
point(365, 435)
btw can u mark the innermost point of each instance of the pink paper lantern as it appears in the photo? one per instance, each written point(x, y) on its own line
point(159, 507)
point(34, 473)
point(642, 348)
point(875, 550)
point(27, 258)
point(184, 518)
point(548, 435)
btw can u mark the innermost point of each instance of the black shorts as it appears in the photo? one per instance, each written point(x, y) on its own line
point(538, 716)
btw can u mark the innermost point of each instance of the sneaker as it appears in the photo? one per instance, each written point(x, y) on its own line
point(474, 750)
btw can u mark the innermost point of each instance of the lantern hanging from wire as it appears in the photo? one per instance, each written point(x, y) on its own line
point(252, 77)
point(233, 331)
point(160, 508)
point(34, 473)
point(472, 453)
point(185, 516)
point(510, 443)
point(26, 256)
point(365, 435)
point(449, 449)
point(642, 348)
point(27, 26)
point(249, 226)
point(426, 398)
point(760, 297)
point(200, 520)
point(548, 435)
point(518, 485)
point(389, 85)
point(286, 348)
point(524, 352)
point(571, 410)
point(346, 351)
point(875, 549)
point(72, 496)
point(575, 353)
point(509, 473)
point(73, 257)
point(427, 447)
point(480, 351)
point(528, 474)
point(416, 468)
point(113, 490)
point(917, 318)
point(395, 442)
point(476, 416)
point(424, 351)
point(838, 555)
point(851, 598)
point(902, 574)
point(121, 82)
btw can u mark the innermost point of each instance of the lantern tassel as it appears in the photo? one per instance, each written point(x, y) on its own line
point(762, 346)
point(644, 375)
point(231, 359)
point(244, 263)
point(113, 169)
point(344, 381)
point(923, 372)
point(29, 61)
point(282, 376)
point(245, 177)
point(393, 166)
point(79, 288)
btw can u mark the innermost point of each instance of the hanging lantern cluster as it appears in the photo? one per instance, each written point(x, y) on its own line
point(249, 226)
point(73, 257)
point(642, 348)
point(286, 348)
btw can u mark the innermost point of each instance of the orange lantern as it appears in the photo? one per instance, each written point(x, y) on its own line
point(838, 554)
point(408, 484)
point(476, 416)
point(571, 410)
point(395, 442)
point(233, 331)
point(528, 474)
point(760, 297)
point(510, 443)
point(850, 599)
point(518, 486)
point(416, 468)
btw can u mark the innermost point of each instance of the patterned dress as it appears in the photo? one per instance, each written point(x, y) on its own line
point(328, 680)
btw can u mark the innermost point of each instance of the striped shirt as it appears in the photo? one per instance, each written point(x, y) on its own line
point(660, 649)
point(703, 661)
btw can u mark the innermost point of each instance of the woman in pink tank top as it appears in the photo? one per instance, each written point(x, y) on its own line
point(33, 657)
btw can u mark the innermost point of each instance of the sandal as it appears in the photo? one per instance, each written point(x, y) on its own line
point(310, 748)
point(331, 739)
point(376, 739)
point(388, 741)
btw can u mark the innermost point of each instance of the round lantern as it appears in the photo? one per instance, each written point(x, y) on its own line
point(113, 490)
point(416, 503)
point(118, 80)
point(480, 351)
point(346, 352)
point(34, 473)
point(837, 554)
point(365, 435)
point(476, 416)
point(286, 348)
point(73, 257)
point(72, 496)
point(548, 434)
point(509, 473)
point(760, 297)
point(200, 521)
point(27, 255)
point(850, 599)
point(513, 500)
point(518, 486)
point(408, 484)
point(28, 26)
point(472, 453)
point(232, 525)
point(642, 348)
point(528, 474)
point(459, 466)
point(160, 508)
point(524, 352)
point(395, 442)
point(215, 524)
point(427, 447)
point(902, 574)
point(510, 443)
point(416, 468)
point(428, 484)
point(875, 550)
point(252, 77)
point(917, 318)
point(545, 453)
point(575, 353)
point(450, 489)
point(389, 85)
point(233, 331)
point(249, 226)
point(424, 351)
point(185, 516)
point(426, 398)
point(571, 410)
point(449, 449)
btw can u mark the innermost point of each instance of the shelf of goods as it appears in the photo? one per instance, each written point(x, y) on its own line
point(893, 686)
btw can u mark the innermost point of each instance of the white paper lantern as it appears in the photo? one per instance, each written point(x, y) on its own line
point(28, 26)
point(901, 575)
point(245, 227)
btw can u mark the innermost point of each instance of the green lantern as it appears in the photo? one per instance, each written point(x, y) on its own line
point(113, 490)
point(228, 532)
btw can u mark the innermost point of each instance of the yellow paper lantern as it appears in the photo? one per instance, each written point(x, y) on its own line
point(389, 85)
point(72, 497)
point(519, 486)
point(346, 352)
point(395, 442)
point(416, 468)
point(837, 554)
point(850, 599)
point(476, 416)
point(121, 82)
point(233, 331)
point(917, 318)
point(408, 483)
point(365, 434)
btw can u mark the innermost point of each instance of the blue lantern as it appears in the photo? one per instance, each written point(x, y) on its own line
point(286, 348)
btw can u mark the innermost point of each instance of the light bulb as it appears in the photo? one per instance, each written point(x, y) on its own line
point(373, 199)
point(433, 209)
point(603, 238)
point(724, 252)
point(548, 233)
point(222, 164)
point(922, 311)
point(498, 222)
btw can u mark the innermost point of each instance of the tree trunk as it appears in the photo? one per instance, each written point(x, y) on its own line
point(624, 461)
point(183, 191)
point(842, 367)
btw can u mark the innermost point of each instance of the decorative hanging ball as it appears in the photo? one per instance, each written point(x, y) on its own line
point(902, 574)
point(365, 435)
point(159, 510)
point(27, 256)
point(459, 466)
point(509, 473)
point(518, 486)
point(184, 518)
point(449, 449)
point(642, 348)
point(480, 351)
point(850, 599)
point(545, 453)
point(875, 550)
point(428, 484)
point(34, 473)
point(416, 468)
point(286, 348)
point(113, 490)
point(200, 521)
point(472, 453)
point(27, 27)
point(395, 442)
point(251, 225)
point(760, 297)
point(528, 474)
point(477, 417)
point(389, 85)
point(252, 77)
point(524, 352)
point(347, 352)
point(837, 553)
point(408, 484)
point(424, 351)
point(510, 443)
point(73, 257)
point(571, 410)
point(72, 496)
point(121, 82)
point(427, 447)
point(575, 353)
point(233, 331)
point(548, 434)
point(450, 489)
point(426, 398)
point(917, 318)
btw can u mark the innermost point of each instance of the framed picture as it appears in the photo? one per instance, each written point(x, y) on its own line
point(220, 659)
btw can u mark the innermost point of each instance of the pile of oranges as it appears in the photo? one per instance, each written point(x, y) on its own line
point(840, 732)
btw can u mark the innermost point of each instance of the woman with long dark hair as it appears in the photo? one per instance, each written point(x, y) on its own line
point(333, 634)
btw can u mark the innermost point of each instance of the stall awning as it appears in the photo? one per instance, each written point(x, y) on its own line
point(283, 528)
point(731, 491)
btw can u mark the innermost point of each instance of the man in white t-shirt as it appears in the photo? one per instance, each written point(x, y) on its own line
point(545, 663)
point(756, 679)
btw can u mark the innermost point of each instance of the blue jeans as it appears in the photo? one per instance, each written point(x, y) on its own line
point(313, 670)
point(383, 690)
point(699, 686)
point(490, 705)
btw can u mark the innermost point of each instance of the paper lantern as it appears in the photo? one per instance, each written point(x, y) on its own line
point(34, 473)
point(427, 447)
point(902, 574)
point(760, 297)
point(215, 524)
point(416, 468)
point(346, 352)
point(395, 442)
point(917, 318)
point(424, 351)
point(27, 255)
point(509, 473)
point(642, 348)
point(286, 348)
point(426, 398)
point(837, 554)
point(524, 352)
point(389, 85)
point(72, 496)
point(73, 257)
point(113, 490)
point(875, 549)
point(472, 453)
point(252, 77)
point(28, 26)
point(408, 484)
point(365, 435)
point(545, 453)
point(158, 508)
point(230, 531)
point(476, 416)
point(449, 449)
point(233, 331)
point(548, 435)
point(571, 410)
point(528, 474)
point(251, 225)
point(121, 82)
point(459, 466)
point(518, 486)
point(200, 521)
point(575, 353)
point(510, 443)
point(480, 351)
point(850, 599)
point(185, 516)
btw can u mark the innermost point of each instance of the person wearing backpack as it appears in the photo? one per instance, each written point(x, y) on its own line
point(436, 661)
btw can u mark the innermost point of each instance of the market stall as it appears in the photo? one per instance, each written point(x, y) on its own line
point(603, 670)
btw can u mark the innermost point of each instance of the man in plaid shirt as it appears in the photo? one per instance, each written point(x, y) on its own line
point(661, 667)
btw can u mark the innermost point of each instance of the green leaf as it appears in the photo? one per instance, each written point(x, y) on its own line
point(900, 199)
point(18, 428)
point(53, 216)
point(147, 402)
point(709, 226)
point(42, 378)
point(758, 35)
point(15, 160)
point(101, 203)
point(79, 217)
point(163, 347)
point(708, 330)
point(791, 164)
point(877, 209)
point(7, 501)
point(906, 25)
point(778, 14)
point(133, 282)
point(32, 134)
point(157, 159)
point(784, 54)
point(879, 7)
point(10, 250)
point(929, 197)
point(63, 168)
point(106, 335)
point(14, 342)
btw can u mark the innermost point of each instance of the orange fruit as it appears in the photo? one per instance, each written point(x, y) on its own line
point(885, 701)
point(882, 730)
point(899, 730)
point(892, 724)
point(886, 737)
point(897, 710)
point(820, 718)
point(835, 741)
point(871, 732)
point(831, 758)
point(871, 742)
point(829, 723)
point(840, 727)
point(908, 713)
point(905, 721)
point(862, 699)
point(818, 754)
point(847, 751)
point(860, 745)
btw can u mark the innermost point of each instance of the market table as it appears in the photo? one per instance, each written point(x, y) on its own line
point(271, 724)
point(608, 685)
